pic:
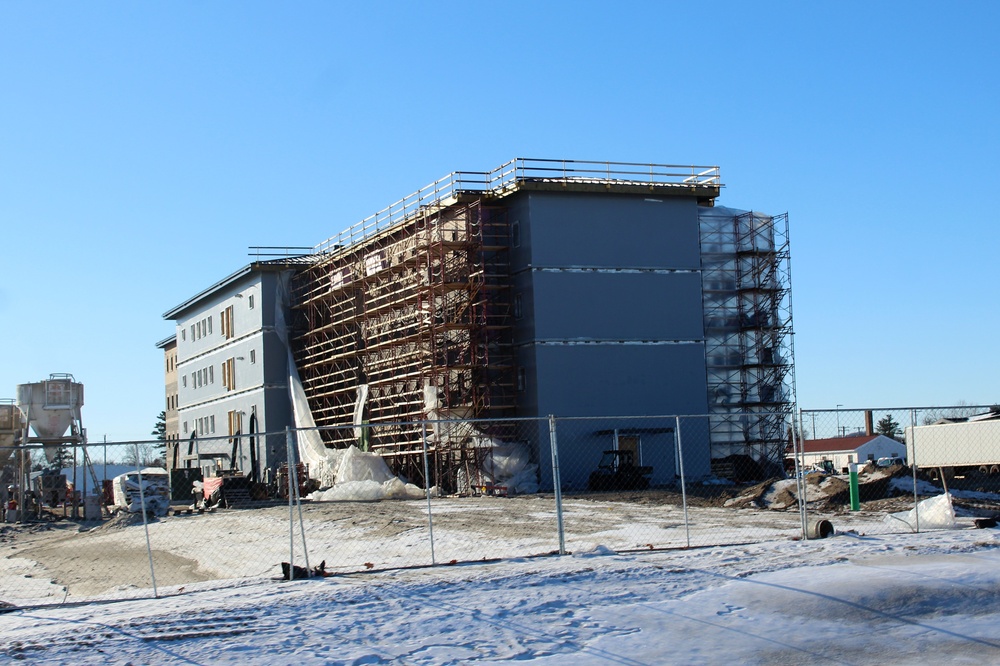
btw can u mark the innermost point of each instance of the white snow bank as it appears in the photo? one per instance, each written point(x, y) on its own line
point(596, 551)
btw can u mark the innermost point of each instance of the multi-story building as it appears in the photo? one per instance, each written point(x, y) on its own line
point(554, 287)
point(542, 287)
point(172, 432)
point(228, 389)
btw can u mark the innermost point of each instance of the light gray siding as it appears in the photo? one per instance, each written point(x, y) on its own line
point(258, 359)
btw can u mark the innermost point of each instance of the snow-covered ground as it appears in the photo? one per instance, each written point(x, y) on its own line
point(849, 599)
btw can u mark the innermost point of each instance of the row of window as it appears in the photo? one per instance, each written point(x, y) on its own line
point(172, 402)
point(204, 425)
point(203, 328)
point(200, 378)
point(206, 375)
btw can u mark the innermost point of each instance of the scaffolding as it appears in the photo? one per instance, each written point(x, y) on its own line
point(409, 325)
point(405, 317)
point(748, 324)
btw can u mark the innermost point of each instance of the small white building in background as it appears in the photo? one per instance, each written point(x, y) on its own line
point(842, 451)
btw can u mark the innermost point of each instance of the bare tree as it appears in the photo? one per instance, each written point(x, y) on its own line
point(961, 410)
point(140, 454)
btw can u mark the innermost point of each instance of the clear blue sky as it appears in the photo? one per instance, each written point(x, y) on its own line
point(145, 146)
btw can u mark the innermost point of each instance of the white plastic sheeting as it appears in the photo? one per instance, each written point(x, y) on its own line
point(510, 465)
point(312, 451)
point(506, 464)
point(935, 513)
point(364, 476)
point(155, 491)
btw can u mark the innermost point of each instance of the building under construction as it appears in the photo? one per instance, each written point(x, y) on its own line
point(550, 287)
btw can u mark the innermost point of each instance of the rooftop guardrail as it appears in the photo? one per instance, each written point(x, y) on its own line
point(508, 176)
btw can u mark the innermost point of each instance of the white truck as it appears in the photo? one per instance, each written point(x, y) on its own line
point(955, 449)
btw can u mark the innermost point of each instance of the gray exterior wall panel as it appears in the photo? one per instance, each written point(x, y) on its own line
point(612, 231)
point(617, 306)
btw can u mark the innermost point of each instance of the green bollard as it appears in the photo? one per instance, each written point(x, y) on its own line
point(855, 503)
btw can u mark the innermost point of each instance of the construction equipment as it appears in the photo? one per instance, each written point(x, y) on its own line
point(618, 471)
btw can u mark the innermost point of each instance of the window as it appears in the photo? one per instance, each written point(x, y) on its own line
point(211, 423)
point(197, 329)
point(250, 301)
point(517, 306)
point(253, 355)
point(522, 379)
point(185, 427)
point(209, 320)
point(235, 422)
point(229, 374)
point(226, 322)
point(194, 380)
point(183, 334)
point(629, 443)
point(515, 234)
point(184, 381)
point(211, 374)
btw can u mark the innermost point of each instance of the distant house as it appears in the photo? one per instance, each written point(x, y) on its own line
point(842, 451)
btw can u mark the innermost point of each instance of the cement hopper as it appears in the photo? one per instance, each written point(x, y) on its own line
point(10, 428)
point(50, 407)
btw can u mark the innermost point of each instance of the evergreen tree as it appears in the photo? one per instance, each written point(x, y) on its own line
point(160, 432)
point(888, 426)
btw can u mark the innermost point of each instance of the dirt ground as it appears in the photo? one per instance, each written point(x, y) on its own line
point(76, 559)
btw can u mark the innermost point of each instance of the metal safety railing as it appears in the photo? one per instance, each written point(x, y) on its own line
point(507, 176)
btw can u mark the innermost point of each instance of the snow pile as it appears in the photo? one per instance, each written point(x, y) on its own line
point(364, 477)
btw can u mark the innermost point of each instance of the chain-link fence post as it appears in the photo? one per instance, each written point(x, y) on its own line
point(798, 447)
point(298, 503)
point(427, 493)
point(145, 517)
point(680, 469)
point(913, 468)
point(292, 481)
point(557, 483)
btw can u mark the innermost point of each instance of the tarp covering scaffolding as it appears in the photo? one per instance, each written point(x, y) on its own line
point(746, 292)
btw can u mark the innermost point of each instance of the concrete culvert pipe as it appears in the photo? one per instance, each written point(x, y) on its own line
point(820, 528)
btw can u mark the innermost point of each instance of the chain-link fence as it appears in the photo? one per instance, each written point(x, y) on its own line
point(915, 468)
point(443, 492)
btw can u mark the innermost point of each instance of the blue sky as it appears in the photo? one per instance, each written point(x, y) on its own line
point(145, 146)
